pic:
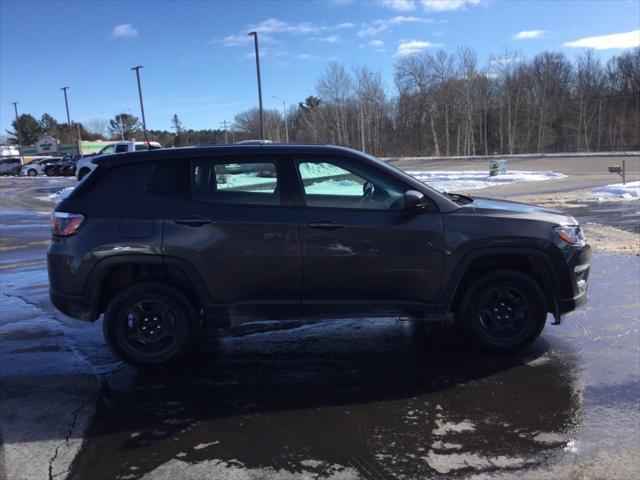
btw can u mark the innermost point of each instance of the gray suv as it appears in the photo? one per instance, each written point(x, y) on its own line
point(166, 243)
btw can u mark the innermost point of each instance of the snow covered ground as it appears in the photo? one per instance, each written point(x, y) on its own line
point(452, 181)
point(618, 191)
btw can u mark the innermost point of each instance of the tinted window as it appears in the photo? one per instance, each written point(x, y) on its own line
point(232, 182)
point(165, 178)
point(122, 149)
point(142, 146)
point(334, 184)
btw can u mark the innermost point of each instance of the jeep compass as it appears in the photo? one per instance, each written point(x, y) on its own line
point(165, 243)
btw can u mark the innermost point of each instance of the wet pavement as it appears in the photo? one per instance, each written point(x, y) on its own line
point(372, 399)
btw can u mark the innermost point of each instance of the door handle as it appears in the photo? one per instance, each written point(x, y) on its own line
point(193, 221)
point(325, 225)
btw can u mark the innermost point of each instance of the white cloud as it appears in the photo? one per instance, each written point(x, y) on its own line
point(306, 56)
point(373, 29)
point(414, 46)
point(234, 40)
point(505, 61)
point(399, 5)
point(447, 5)
point(274, 26)
point(329, 39)
point(529, 34)
point(125, 30)
point(605, 42)
point(376, 43)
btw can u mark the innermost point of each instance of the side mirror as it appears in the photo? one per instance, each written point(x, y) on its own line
point(414, 201)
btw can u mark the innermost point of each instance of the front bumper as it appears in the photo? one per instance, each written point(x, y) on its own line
point(578, 266)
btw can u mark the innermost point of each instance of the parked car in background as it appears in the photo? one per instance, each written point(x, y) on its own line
point(10, 166)
point(36, 167)
point(184, 243)
point(86, 165)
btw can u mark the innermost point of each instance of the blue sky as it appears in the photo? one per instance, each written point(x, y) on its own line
point(198, 58)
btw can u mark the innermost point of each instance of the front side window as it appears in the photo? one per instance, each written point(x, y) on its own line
point(333, 184)
point(230, 182)
point(122, 149)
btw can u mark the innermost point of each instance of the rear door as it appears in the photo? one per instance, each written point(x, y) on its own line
point(237, 226)
point(359, 244)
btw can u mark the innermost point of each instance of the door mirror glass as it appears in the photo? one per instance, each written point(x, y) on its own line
point(414, 201)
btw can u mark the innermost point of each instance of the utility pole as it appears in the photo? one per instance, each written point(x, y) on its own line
point(284, 116)
point(255, 39)
point(362, 127)
point(15, 108)
point(66, 104)
point(144, 122)
point(224, 123)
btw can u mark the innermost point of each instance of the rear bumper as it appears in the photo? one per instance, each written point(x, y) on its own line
point(75, 306)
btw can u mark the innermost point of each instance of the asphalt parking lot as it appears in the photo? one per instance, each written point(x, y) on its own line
point(373, 399)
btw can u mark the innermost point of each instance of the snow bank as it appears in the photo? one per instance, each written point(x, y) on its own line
point(451, 181)
point(61, 194)
point(630, 191)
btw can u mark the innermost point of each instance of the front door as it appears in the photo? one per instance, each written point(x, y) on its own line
point(360, 247)
point(238, 228)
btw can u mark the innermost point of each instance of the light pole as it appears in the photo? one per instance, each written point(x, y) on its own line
point(284, 115)
point(255, 39)
point(15, 108)
point(144, 122)
point(66, 105)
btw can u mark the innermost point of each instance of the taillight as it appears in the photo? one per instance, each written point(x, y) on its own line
point(65, 224)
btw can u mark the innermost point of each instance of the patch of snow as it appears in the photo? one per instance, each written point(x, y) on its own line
point(220, 469)
point(311, 463)
point(452, 181)
point(548, 437)
point(445, 463)
point(571, 447)
point(200, 446)
point(618, 191)
point(60, 195)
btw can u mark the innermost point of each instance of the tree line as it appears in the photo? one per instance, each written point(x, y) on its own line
point(441, 104)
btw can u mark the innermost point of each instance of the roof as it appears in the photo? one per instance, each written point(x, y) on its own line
point(204, 150)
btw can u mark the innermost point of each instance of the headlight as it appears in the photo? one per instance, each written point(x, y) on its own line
point(571, 234)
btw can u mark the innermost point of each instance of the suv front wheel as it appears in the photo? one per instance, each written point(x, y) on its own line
point(503, 311)
point(148, 324)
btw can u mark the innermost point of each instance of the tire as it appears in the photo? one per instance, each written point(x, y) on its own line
point(49, 172)
point(503, 311)
point(32, 172)
point(83, 173)
point(149, 324)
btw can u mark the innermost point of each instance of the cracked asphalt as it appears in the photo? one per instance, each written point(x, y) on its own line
point(350, 399)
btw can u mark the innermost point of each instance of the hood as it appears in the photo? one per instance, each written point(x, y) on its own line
point(488, 206)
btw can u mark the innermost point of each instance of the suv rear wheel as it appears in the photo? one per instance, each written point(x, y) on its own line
point(148, 324)
point(503, 311)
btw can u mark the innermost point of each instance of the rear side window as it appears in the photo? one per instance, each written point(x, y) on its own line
point(165, 178)
point(236, 182)
point(9, 161)
point(122, 149)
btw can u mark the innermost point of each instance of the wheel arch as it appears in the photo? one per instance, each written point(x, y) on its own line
point(536, 263)
point(113, 274)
